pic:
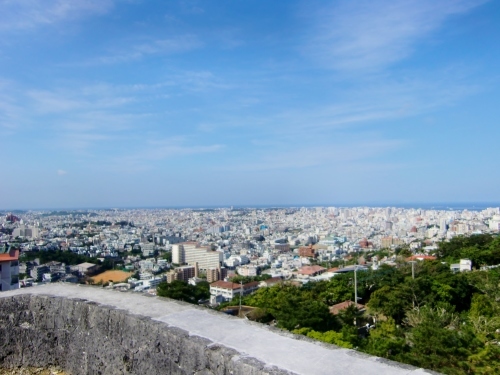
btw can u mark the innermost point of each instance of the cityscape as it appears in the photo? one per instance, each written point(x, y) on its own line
point(300, 187)
point(295, 268)
point(280, 242)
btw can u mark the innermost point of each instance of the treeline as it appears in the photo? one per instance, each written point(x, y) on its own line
point(66, 257)
point(248, 279)
point(182, 291)
point(439, 320)
point(482, 249)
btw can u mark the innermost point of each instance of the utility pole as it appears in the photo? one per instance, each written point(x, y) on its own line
point(355, 291)
point(412, 269)
point(355, 287)
point(241, 292)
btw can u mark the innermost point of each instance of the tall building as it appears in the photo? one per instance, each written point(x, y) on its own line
point(442, 225)
point(181, 273)
point(216, 274)
point(191, 253)
point(23, 231)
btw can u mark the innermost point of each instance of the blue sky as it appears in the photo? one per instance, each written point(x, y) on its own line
point(113, 103)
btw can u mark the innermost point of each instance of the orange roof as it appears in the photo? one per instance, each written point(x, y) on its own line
point(251, 284)
point(12, 255)
point(309, 270)
point(225, 285)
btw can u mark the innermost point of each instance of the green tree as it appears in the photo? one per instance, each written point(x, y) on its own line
point(386, 340)
point(182, 291)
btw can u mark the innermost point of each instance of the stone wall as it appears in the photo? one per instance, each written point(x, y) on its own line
point(87, 338)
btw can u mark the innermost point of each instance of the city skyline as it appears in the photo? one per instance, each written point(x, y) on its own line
point(187, 103)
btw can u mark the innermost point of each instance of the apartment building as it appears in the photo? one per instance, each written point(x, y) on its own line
point(191, 253)
point(182, 273)
point(216, 274)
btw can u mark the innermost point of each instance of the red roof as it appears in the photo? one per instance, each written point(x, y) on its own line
point(250, 285)
point(225, 285)
point(12, 255)
point(310, 270)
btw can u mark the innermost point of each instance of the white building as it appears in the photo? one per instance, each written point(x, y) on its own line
point(247, 271)
point(190, 253)
point(148, 249)
point(464, 265)
point(495, 223)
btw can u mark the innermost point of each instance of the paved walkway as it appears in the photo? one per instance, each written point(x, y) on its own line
point(281, 350)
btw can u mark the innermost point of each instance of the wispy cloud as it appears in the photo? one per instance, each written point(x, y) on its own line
point(332, 155)
point(67, 100)
point(28, 14)
point(171, 147)
point(137, 51)
point(371, 35)
point(61, 172)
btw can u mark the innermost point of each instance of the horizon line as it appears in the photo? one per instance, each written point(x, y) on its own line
point(416, 205)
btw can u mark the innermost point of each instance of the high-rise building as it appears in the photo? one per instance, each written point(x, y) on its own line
point(191, 253)
point(216, 274)
point(181, 273)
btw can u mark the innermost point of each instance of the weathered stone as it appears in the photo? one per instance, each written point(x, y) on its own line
point(135, 335)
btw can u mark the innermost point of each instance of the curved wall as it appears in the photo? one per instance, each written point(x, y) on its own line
point(86, 338)
point(90, 330)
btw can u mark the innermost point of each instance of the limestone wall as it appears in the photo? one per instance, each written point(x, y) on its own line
point(91, 330)
point(87, 338)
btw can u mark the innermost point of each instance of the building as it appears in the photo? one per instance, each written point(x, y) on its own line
point(365, 244)
point(389, 242)
point(282, 247)
point(178, 254)
point(37, 272)
point(494, 223)
point(307, 251)
point(270, 282)
point(216, 274)
point(183, 273)
point(463, 266)
point(85, 268)
point(311, 270)
point(226, 289)
point(191, 253)
point(23, 231)
point(148, 249)
point(9, 268)
point(248, 271)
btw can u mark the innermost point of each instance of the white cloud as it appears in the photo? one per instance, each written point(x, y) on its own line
point(331, 155)
point(170, 46)
point(28, 14)
point(61, 172)
point(162, 149)
point(370, 35)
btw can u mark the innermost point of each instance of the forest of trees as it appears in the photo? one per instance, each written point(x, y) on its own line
point(182, 291)
point(439, 320)
point(66, 257)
